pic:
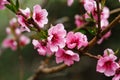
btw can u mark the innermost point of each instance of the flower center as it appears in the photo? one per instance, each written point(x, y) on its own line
point(38, 16)
point(108, 64)
point(74, 41)
point(43, 43)
point(55, 38)
point(66, 56)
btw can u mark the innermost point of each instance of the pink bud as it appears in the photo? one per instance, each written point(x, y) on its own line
point(24, 40)
point(79, 21)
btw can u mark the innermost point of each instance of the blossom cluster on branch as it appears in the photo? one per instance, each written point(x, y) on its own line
point(107, 64)
point(14, 36)
point(56, 41)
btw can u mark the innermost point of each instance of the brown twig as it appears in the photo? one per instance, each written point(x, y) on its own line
point(43, 70)
point(115, 11)
point(21, 61)
point(92, 56)
point(21, 65)
point(20, 57)
point(99, 18)
point(111, 25)
point(29, 21)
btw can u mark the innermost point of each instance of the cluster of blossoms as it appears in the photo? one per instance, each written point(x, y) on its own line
point(107, 65)
point(61, 43)
point(39, 16)
point(91, 14)
point(58, 41)
point(15, 36)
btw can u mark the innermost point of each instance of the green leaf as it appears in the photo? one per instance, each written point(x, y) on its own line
point(40, 35)
point(82, 31)
point(12, 3)
point(32, 28)
point(92, 30)
point(117, 51)
point(10, 7)
point(89, 19)
point(17, 4)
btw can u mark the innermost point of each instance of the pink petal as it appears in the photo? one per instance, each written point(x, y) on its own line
point(35, 42)
point(68, 62)
point(42, 51)
point(70, 2)
point(53, 48)
point(76, 57)
point(59, 60)
point(100, 69)
point(59, 53)
point(109, 72)
point(37, 8)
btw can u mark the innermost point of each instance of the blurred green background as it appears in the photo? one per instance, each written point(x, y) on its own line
point(84, 70)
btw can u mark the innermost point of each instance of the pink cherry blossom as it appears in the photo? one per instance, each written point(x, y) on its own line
point(117, 74)
point(24, 40)
point(79, 21)
point(89, 5)
point(40, 16)
point(2, 4)
point(106, 64)
point(41, 47)
point(108, 51)
point(9, 43)
point(56, 37)
point(22, 20)
point(68, 57)
point(70, 2)
point(76, 40)
point(105, 13)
